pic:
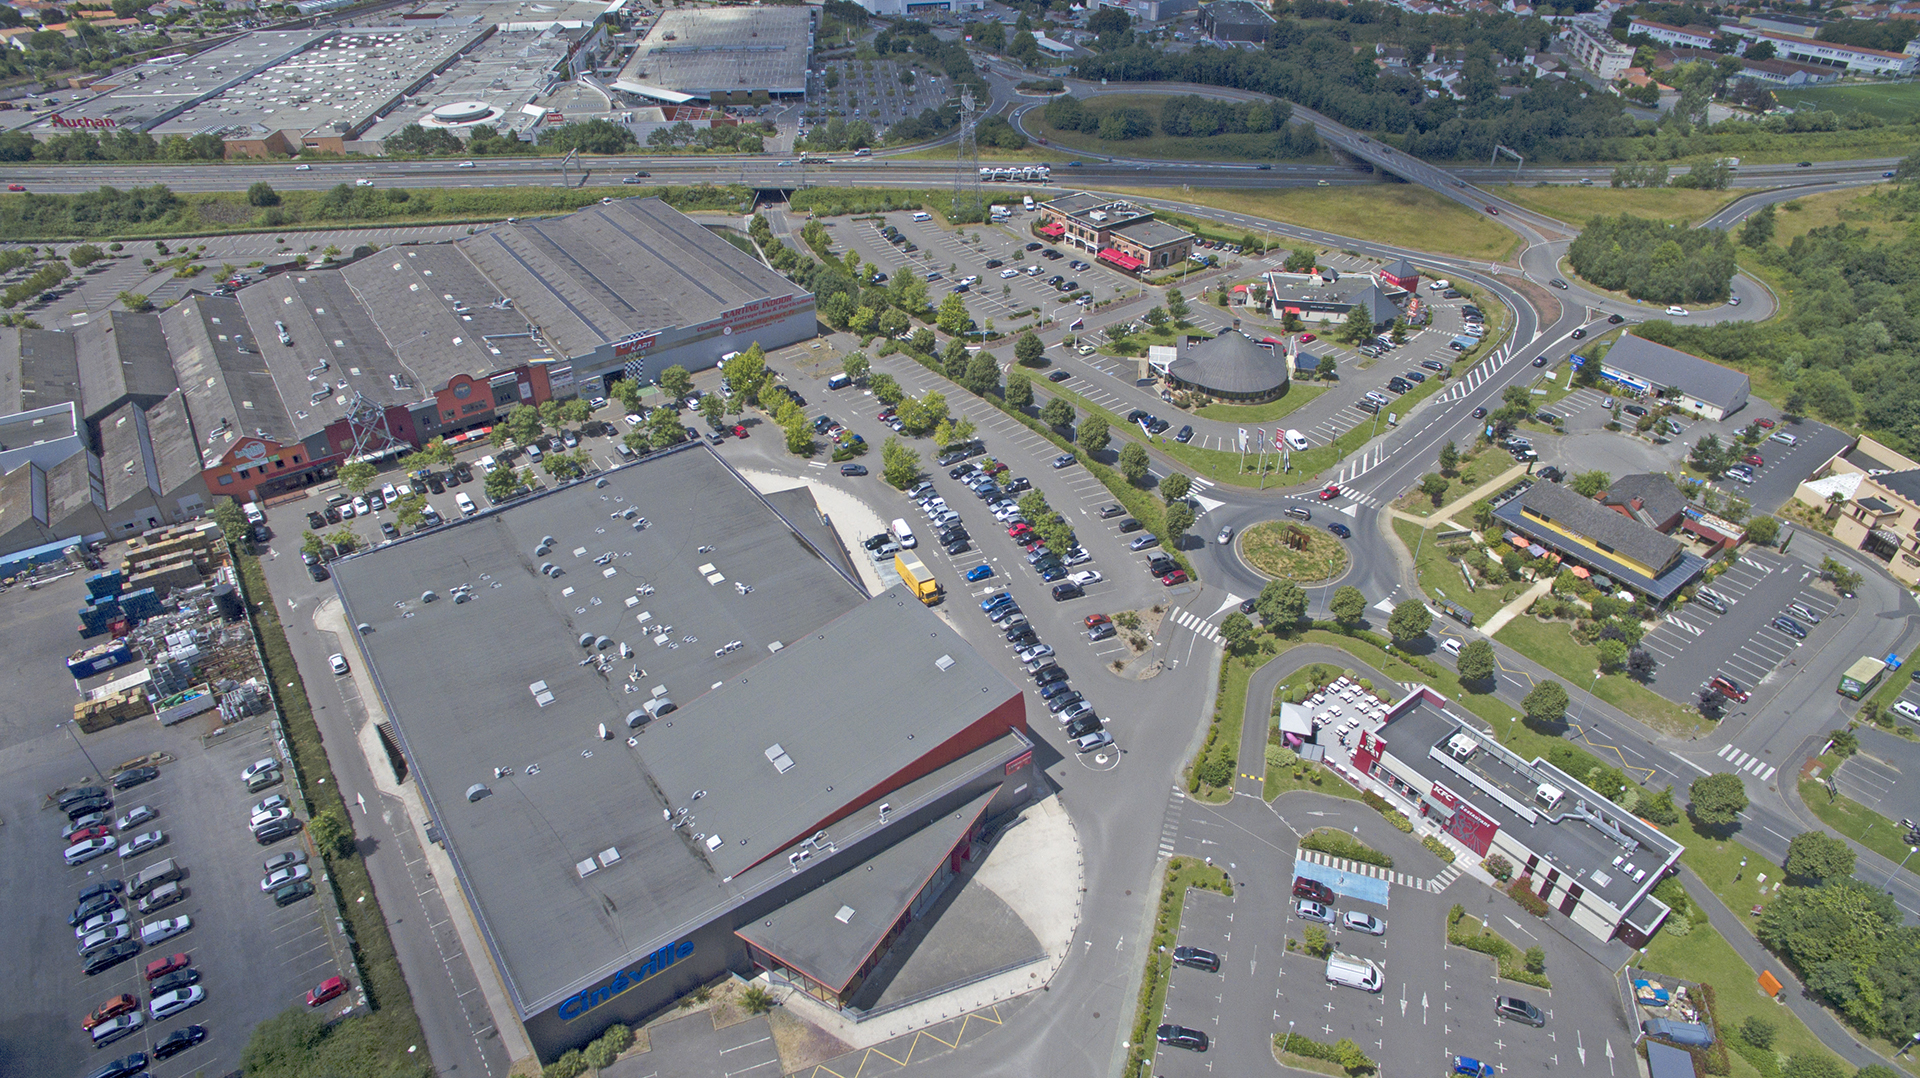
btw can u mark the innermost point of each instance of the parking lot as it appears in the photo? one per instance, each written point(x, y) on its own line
point(1873, 775)
point(252, 958)
point(1436, 1000)
point(1694, 642)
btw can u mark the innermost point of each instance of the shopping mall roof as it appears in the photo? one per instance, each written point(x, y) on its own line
point(503, 73)
point(143, 96)
point(698, 52)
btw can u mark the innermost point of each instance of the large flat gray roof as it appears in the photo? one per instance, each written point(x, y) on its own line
point(38, 368)
point(746, 668)
point(1663, 366)
point(143, 96)
point(229, 388)
point(702, 50)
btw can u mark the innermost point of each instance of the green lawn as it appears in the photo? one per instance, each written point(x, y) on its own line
point(1856, 821)
point(1296, 395)
point(1385, 213)
point(1577, 205)
point(1896, 101)
point(1441, 578)
point(1264, 547)
point(1553, 646)
point(1228, 715)
point(1240, 147)
point(1480, 462)
point(1703, 956)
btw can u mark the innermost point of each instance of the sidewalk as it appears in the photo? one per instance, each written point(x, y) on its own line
point(1818, 1019)
point(1445, 516)
point(1517, 607)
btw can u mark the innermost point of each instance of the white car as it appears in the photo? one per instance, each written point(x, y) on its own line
point(303, 168)
point(286, 875)
point(265, 818)
point(100, 921)
point(363, 183)
point(156, 931)
point(1907, 708)
point(1078, 556)
point(1225, 536)
point(970, 280)
point(389, 493)
point(634, 419)
point(1677, 312)
point(361, 506)
point(464, 164)
point(1027, 655)
point(267, 806)
point(1085, 577)
point(135, 817)
point(1363, 922)
point(141, 843)
point(258, 766)
point(168, 1004)
point(338, 662)
point(105, 937)
point(347, 511)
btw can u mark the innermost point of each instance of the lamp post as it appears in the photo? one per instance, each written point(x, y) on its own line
point(68, 725)
point(1590, 687)
point(1911, 850)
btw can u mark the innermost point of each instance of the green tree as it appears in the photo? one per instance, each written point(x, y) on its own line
point(408, 513)
point(1659, 807)
point(231, 518)
point(357, 475)
point(500, 484)
point(1816, 855)
point(799, 433)
point(1179, 520)
point(1133, 462)
point(856, 366)
point(332, 834)
point(746, 373)
point(1434, 485)
point(1174, 488)
point(899, 465)
point(885, 389)
point(1757, 1031)
point(285, 1045)
point(639, 439)
point(1093, 433)
point(1613, 653)
point(1546, 704)
point(713, 410)
point(1020, 391)
point(1717, 800)
point(1029, 351)
point(1410, 620)
point(982, 376)
point(261, 193)
point(1476, 661)
point(1588, 484)
point(664, 428)
point(135, 301)
point(574, 411)
point(627, 392)
point(1238, 631)
point(1813, 1063)
point(1763, 530)
point(311, 543)
point(524, 424)
point(1281, 604)
point(952, 318)
point(1758, 231)
point(676, 383)
point(1348, 606)
point(85, 254)
point(1449, 459)
point(1177, 306)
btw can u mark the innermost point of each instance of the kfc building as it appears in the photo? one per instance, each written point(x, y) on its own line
point(1588, 858)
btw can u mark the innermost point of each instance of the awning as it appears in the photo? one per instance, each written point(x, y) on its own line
point(1239, 288)
point(1291, 310)
point(1120, 258)
point(1054, 229)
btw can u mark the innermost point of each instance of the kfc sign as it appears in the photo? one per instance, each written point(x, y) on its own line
point(84, 122)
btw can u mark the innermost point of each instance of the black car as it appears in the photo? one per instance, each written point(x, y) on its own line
point(1129, 525)
point(1790, 627)
point(1551, 474)
point(1579, 333)
point(101, 887)
point(121, 1068)
point(1557, 283)
point(877, 541)
point(1033, 247)
point(1340, 530)
point(994, 263)
point(1434, 365)
point(1539, 361)
point(1367, 406)
point(1059, 376)
point(1182, 1037)
point(173, 982)
point(1025, 638)
point(1479, 413)
point(954, 533)
point(1519, 1010)
point(1084, 725)
point(961, 472)
point(1161, 565)
point(93, 907)
point(1063, 701)
point(316, 520)
point(179, 1041)
point(1063, 592)
point(288, 894)
point(90, 805)
point(1633, 410)
point(435, 485)
point(1049, 675)
point(1185, 435)
point(958, 546)
point(1019, 483)
point(274, 830)
point(109, 957)
point(1196, 958)
point(82, 793)
point(1614, 319)
point(1247, 606)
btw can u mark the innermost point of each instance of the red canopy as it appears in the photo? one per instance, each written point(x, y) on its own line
point(1120, 258)
point(1054, 229)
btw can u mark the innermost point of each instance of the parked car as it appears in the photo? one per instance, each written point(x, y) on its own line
point(1363, 922)
point(329, 989)
point(1182, 1037)
point(1309, 910)
point(1313, 889)
point(1519, 1010)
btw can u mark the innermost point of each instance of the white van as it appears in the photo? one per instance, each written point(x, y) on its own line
point(923, 217)
point(1297, 441)
point(1009, 272)
point(1439, 286)
point(251, 510)
point(1354, 973)
point(903, 534)
point(1026, 202)
point(465, 503)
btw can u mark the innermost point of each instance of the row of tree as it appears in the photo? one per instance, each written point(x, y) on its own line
point(1653, 260)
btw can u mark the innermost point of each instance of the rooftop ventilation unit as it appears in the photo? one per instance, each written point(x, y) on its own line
point(1462, 747)
point(1548, 796)
point(944, 662)
point(586, 640)
point(845, 916)
point(477, 791)
point(714, 842)
point(778, 757)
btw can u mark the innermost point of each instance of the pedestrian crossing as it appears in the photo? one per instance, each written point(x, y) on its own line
point(1476, 376)
point(1340, 864)
point(1752, 765)
point(1199, 625)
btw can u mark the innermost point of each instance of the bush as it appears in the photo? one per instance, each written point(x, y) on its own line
point(571, 1065)
point(756, 1000)
point(1332, 840)
point(1498, 867)
point(599, 1054)
point(1521, 891)
point(1757, 1031)
point(1400, 822)
point(1439, 849)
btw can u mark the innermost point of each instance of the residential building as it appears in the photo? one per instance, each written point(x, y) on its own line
point(1786, 73)
point(1597, 51)
point(1644, 368)
point(1685, 37)
point(1589, 859)
point(1853, 59)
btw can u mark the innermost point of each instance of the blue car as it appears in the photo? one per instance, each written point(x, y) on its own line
point(979, 572)
point(995, 599)
point(1470, 1066)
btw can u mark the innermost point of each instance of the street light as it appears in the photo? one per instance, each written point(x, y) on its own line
point(83, 749)
point(1911, 850)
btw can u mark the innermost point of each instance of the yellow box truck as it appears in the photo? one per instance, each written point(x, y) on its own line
point(914, 573)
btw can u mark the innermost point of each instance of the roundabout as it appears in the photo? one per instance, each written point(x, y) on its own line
point(1294, 550)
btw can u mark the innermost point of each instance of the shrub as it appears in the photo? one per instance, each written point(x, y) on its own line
point(1498, 867)
point(599, 1054)
point(1332, 840)
point(1439, 849)
point(1317, 944)
point(571, 1065)
point(756, 1000)
point(1521, 891)
point(1536, 960)
point(1400, 822)
point(1757, 1031)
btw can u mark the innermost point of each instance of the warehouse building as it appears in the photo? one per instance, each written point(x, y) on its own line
point(640, 775)
point(1589, 859)
point(1645, 369)
point(722, 55)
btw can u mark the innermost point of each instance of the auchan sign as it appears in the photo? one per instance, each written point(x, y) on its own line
point(84, 121)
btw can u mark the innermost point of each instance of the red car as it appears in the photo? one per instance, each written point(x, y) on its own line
point(85, 833)
point(1094, 621)
point(160, 967)
point(113, 1008)
point(1178, 576)
point(739, 431)
point(1312, 889)
point(1729, 689)
point(1764, 424)
point(1493, 211)
point(1019, 530)
point(16, 187)
point(1755, 459)
point(1307, 338)
point(326, 990)
point(1329, 494)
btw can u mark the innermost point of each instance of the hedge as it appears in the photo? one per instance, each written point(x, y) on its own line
point(1332, 840)
point(1440, 849)
point(1472, 934)
point(1342, 1053)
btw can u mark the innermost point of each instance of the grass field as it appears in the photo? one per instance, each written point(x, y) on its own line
point(1854, 820)
point(1324, 557)
point(1851, 208)
point(1242, 147)
point(1442, 579)
point(1479, 463)
point(1553, 646)
point(1399, 214)
point(1296, 396)
point(1897, 101)
point(1576, 205)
